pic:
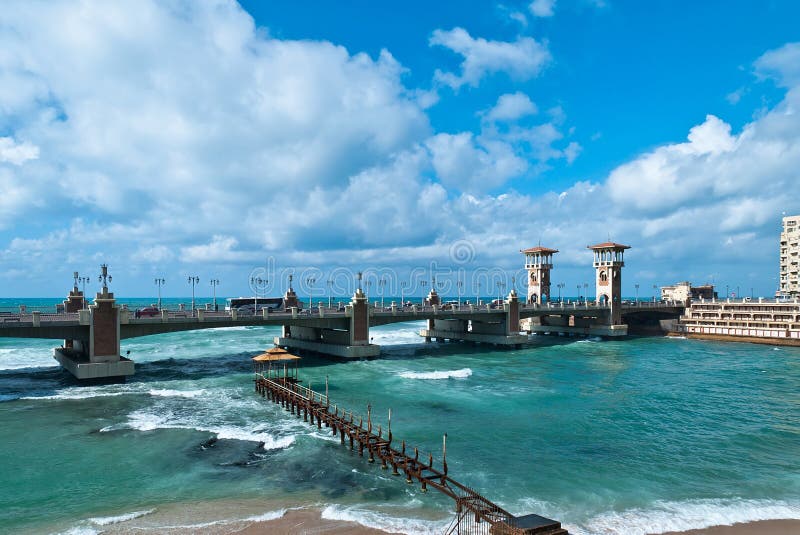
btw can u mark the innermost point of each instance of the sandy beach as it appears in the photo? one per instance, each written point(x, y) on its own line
point(309, 521)
point(762, 527)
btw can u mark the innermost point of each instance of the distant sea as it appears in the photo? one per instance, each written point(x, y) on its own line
point(610, 437)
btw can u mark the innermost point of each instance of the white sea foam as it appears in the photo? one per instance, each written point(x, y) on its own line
point(592, 339)
point(463, 373)
point(79, 394)
point(18, 358)
point(146, 421)
point(168, 393)
point(685, 515)
point(264, 517)
point(383, 521)
point(108, 520)
point(80, 530)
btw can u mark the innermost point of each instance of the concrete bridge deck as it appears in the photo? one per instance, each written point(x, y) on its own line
point(72, 326)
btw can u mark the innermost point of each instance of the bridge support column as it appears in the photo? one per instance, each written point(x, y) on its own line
point(344, 337)
point(98, 359)
point(499, 327)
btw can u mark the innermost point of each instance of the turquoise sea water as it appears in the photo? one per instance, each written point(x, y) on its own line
point(610, 437)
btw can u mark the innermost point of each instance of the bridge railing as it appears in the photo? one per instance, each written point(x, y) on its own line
point(44, 317)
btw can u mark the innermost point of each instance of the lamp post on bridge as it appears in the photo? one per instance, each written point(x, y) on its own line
point(258, 281)
point(310, 281)
point(586, 292)
point(423, 284)
point(104, 277)
point(83, 281)
point(403, 286)
point(330, 293)
point(637, 293)
point(579, 293)
point(478, 295)
point(655, 288)
point(500, 286)
point(382, 289)
point(459, 289)
point(193, 280)
point(214, 284)
point(159, 282)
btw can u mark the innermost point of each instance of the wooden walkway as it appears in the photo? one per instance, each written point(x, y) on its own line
point(474, 513)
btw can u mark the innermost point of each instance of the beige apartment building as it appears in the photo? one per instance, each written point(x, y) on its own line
point(790, 256)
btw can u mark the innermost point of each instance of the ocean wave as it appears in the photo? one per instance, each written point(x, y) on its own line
point(80, 530)
point(168, 393)
point(384, 522)
point(145, 421)
point(667, 516)
point(108, 520)
point(592, 339)
point(463, 373)
point(79, 394)
point(21, 358)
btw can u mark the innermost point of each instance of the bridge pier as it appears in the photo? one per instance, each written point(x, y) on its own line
point(98, 357)
point(498, 330)
point(347, 338)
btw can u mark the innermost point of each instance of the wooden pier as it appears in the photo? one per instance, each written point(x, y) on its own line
point(474, 513)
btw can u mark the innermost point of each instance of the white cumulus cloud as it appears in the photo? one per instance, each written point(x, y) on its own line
point(510, 107)
point(522, 59)
point(17, 153)
point(542, 8)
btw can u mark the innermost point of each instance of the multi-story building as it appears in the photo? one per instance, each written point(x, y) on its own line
point(790, 256)
point(684, 292)
point(755, 321)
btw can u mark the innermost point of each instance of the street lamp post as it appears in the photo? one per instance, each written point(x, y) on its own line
point(83, 281)
point(655, 289)
point(586, 291)
point(214, 284)
point(459, 289)
point(330, 293)
point(159, 282)
point(478, 296)
point(104, 277)
point(500, 286)
point(423, 284)
point(403, 286)
point(579, 293)
point(559, 286)
point(193, 280)
point(256, 282)
point(637, 293)
point(382, 288)
point(310, 281)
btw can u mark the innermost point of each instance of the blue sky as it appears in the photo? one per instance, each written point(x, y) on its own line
point(174, 139)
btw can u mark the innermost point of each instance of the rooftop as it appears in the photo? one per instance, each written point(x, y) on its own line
point(538, 249)
point(609, 245)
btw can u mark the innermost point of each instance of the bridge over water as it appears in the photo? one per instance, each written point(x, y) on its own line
point(92, 334)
